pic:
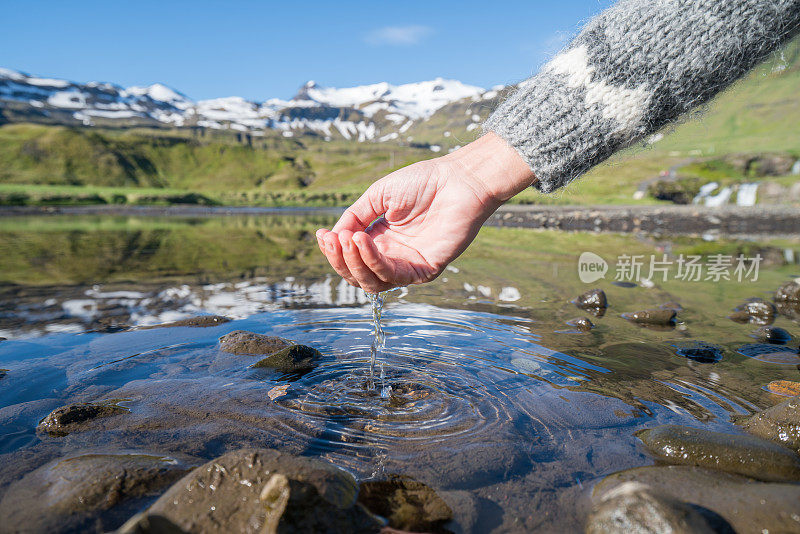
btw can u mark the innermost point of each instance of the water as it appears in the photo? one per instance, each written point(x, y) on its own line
point(487, 395)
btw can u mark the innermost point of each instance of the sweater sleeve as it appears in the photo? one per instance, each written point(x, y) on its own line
point(632, 69)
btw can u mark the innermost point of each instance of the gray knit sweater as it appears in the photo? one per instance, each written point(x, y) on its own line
point(632, 69)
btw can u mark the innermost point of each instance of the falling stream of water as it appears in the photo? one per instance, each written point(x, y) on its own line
point(378, 342)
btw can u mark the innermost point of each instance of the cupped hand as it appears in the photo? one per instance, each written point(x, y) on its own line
point(408, 226)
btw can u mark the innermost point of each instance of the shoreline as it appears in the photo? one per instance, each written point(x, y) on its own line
point(772, 220)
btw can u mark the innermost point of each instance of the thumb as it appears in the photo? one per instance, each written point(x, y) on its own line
point(366, 209)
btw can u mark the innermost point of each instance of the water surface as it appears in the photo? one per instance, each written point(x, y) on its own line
point(497, 403)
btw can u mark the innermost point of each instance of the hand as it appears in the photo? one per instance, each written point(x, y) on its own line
point(408, 226)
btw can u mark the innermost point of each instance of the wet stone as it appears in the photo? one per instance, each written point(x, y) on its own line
point(243, 342)
point(788, 292)
point(407, 504)
point(634, 508)
point(755, 312)
point(655, 317)
point(744, 455)
point(591, 300)
point(780, 423)
point(581, 324)
point(71, 494)
point(238, 492)
point(730, 503)
point(294, 359)
point(699, 351)
point(772, 334)
point(201, 321)
point(73, 417)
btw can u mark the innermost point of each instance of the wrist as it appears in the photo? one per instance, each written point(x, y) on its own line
point(496, 165)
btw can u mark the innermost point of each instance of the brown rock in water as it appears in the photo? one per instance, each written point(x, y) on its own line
point(243, 342)
point(591, 300)
point(655, 316)
point(72, 417)
point(294, 359)
point(201, 321)
point(634, 508)
point(788, 292)
point(72, 494)
point(730, 503)
point(3, 373)
point(787, 388)
point(238, 492)
point(407, 504)
point(582, 324)
point(780, 424)
point(772, 334)
point(757, 311)
point(743, 455)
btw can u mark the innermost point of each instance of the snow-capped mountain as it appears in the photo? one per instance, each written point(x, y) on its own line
point(379, 112)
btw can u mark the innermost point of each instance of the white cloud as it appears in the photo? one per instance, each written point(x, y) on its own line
point(398, 35)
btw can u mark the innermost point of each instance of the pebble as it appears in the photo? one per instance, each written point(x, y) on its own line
point(70, 418)
point(593, 299)
point(243, 342)
point(757, 311)
point(772, 334)
point(743, 455)
point(655, 316)
point(582, 324)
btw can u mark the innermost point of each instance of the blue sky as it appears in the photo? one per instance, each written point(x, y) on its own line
point(260, 50)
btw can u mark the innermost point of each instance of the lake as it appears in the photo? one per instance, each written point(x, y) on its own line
point(498, 404)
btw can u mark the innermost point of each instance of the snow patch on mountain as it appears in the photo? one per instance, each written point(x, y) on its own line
point(379, 111)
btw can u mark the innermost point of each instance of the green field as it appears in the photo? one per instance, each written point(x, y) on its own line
point(55, 165)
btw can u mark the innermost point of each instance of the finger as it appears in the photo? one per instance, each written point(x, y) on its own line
point(352, 256)
point(373, 259)
point(333, 251)
point(320, 235)
point(366, 209)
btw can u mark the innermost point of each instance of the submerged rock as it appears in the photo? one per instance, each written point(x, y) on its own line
point(239, 492)
point(781, 424)
point(788, 292)
point(634, 508)
point(582, 324)
point(294, 359)
point(756, 311)
point(243, 342)
point(72, 417)
point(655, 316)
point(201, 321)
point(594, 301)
point(699, 351)
point(772, 334)
point(3, 373)
point(728, 502)
point(70, 494)
point(407, 504)
point(744, 455)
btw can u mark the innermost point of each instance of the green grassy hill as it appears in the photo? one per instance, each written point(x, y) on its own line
point(61, 165)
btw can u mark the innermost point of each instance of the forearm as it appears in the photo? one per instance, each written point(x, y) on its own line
point(634, 68)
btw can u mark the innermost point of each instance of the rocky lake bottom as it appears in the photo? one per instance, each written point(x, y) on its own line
point(211, 374)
